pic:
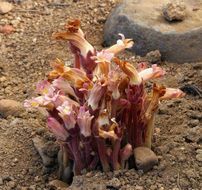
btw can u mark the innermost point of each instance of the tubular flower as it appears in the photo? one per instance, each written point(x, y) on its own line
point(67, 113)
point(129, 70)
point(156, 94)
point(114, 80)
point(84, 121)
point(77, 40)
point(172, 93)
point(152, 73)
point(45, 88)
point(57, 129)
point(95, 94)
point(73, 75)
point(121, 45)
point(64, 86)
point(102, 59)
point(39, 102)
point(79, 46)
point(142, 66)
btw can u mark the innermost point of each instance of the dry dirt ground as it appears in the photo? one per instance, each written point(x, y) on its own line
point(24, 60)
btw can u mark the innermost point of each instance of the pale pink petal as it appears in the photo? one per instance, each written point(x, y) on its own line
point(84, 121)
point(57, 129)
point(172, 93)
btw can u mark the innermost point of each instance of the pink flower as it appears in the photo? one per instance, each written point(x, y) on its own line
point(95, 94)
point(120, 46)
point(68, 114)
point(152, 73)
point(63, 84)
point(57, 129)
point(39, 101)
point(103, 56)
point(84, 121)
point(45, 88)
point(172, 93)
point(102, 59)
point(142, 66)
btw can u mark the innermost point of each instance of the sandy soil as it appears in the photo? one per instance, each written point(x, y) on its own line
point(24, 60)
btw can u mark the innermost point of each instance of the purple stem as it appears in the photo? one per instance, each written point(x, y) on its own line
point(94, 162)
point(76, 153)
point(77, 61)
point(115, 155)
point(87, 152)
point(102, 154)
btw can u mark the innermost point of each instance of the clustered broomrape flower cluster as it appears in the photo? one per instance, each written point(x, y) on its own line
point(99, 115)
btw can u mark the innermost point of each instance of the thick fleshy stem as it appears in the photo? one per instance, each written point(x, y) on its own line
point(102, 154)
point(77, 156)
point(149, 131)
point(77, 61)
point(87, 152)
point(115, 155)
point(136, 130)
point(94, 162)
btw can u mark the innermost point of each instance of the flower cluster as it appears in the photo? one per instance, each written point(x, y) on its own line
point(99, 115)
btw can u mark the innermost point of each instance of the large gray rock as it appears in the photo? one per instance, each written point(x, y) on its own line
point(143, 21)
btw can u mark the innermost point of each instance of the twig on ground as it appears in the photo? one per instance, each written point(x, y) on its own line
point(54, 4)
point(178, 181)
point(33, 11)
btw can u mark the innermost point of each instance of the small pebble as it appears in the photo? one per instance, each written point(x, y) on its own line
point(145, 158)
point(5, 7)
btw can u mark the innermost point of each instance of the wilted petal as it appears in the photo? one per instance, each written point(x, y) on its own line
point(103, 118)
point(77, 40)
point(157, 93)
point(128, 69)
point(172, 93)
point(109, 134)
point(73, 75)
point(77, 77)
point(84, 121)
point(57, 129)
point(121, 45)
point(81, 47)
point(152, 73)
point(73, 26)
point(67, 113)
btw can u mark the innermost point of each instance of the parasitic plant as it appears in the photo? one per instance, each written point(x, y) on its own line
point(99, 115)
